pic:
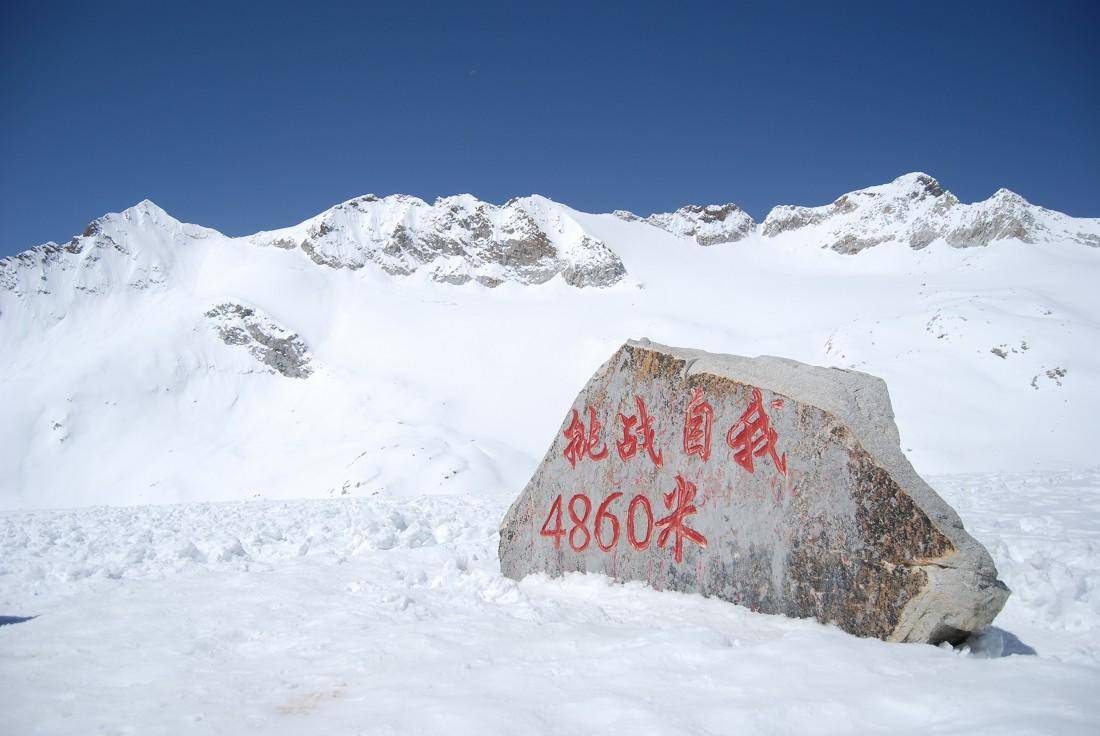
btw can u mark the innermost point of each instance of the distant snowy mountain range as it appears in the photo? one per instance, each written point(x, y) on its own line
point(359, 351)
point(533, 239)
point(913, 209)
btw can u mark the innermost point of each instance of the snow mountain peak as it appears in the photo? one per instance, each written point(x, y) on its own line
point(916, 209)
point(708, 225)
point(137, 248)
point(148, 207)
point(456, 239)
point(527, 240)
point(915, 184)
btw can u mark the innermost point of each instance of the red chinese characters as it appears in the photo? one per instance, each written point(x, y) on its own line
point(582, 443)
point(609, 524)
point(638, 434)
point(680, 503)
point(753, 436)
point(606, 527)
point(697, 425)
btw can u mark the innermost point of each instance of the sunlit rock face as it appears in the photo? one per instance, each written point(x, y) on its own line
point(916, 210)
point(275, 348)
point(712, 224)
point(457, 239)
point(762, 481)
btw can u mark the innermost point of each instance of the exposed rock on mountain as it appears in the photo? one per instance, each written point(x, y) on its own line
point(133, 249)
point(709, 225)
point(265, 339)
point(916, 210)
point(529, 240)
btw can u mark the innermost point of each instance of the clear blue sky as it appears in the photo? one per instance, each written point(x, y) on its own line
point(244, 117)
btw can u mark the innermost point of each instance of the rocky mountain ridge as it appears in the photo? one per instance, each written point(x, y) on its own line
point(531, 240)
point(914, 209)
point(138, 249)
point(711, 224)
point(457, 239)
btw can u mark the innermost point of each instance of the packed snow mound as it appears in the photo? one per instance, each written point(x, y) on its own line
point(914, 209)
point(709, 225)
point(458, 239)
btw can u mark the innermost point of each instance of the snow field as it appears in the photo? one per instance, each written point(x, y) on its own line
point(1043, 530)
point(385, 615)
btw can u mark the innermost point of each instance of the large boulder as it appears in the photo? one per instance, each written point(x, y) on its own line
point(762, 481)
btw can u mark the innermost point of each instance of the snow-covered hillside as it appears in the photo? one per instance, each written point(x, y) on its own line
point(458, 239)
point(391, 346)
point(709, 225)
point(914, 209)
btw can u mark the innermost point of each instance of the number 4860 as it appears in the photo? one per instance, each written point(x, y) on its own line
point(580, 508)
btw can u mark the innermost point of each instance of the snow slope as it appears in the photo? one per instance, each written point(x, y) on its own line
point(388, 615)
point(154, 361)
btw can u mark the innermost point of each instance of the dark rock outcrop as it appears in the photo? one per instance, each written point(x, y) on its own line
point(280, 350)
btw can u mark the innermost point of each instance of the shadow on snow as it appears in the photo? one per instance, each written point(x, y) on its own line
point(994, 642)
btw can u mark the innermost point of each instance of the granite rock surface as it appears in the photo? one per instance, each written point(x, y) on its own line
point(763, 481)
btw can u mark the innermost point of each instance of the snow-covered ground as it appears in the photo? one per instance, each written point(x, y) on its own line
point(385, 615)
point(202, 386)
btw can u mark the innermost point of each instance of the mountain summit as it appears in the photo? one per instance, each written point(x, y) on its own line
point(712, 224)
point(457, 239)
point(530, 240)
point(915, 209)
